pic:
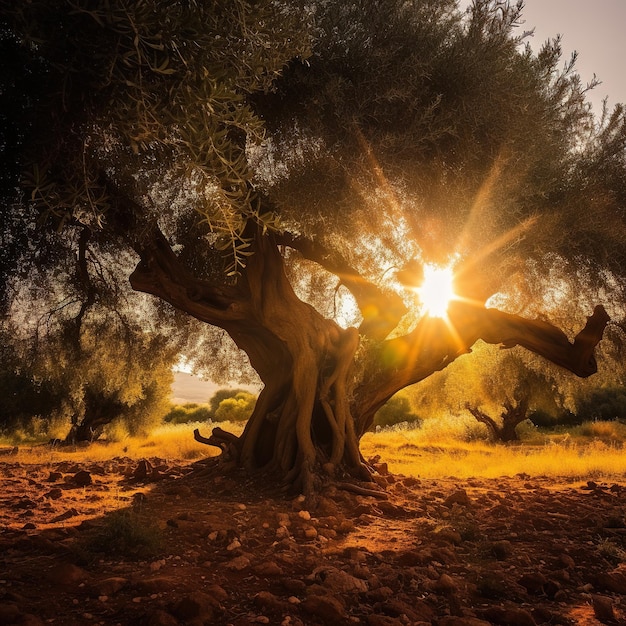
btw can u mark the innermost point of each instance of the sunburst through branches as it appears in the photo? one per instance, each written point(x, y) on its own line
point(437, 290)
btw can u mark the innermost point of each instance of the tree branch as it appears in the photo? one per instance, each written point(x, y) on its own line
point(540, 337)
point(160, 273)
point(381, 309)
point(435, 343)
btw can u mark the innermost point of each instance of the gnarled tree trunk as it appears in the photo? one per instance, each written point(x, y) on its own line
point(314, 407)
point(512, 416)
point(302, 419)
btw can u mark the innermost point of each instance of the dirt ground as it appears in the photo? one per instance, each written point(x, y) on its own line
point(222, 549)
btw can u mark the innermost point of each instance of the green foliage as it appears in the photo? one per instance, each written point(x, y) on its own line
point(189, 412)
point(100, 375)
point(225, 405)
point(612, 432)
point(222, 394)
point(607, 403)
point(236, 408)
point(160, 83)
point(416, 132)
point(395, 411)
point(546, 419)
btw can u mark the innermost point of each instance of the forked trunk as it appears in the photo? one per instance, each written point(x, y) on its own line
point(301, 423)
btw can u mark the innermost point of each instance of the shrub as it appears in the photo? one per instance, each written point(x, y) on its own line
point(606, 404)
point(237, 408)
point(125, 534)
point(190, 412)
point(544, 419)
point(396, 410)
point(223, 394)
point(610, 431)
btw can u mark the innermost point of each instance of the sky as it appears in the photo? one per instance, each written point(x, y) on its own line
point(595, 29)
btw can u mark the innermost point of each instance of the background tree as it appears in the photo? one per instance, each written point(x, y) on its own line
point(395, 411)
point(224, 143)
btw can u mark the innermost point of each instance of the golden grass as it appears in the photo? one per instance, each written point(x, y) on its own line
point(172, 442)
point(591, 451)
point(406, 451)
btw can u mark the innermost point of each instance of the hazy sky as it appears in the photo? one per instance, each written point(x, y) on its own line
point(595, 29)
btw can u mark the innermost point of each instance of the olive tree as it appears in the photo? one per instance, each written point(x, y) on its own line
point(363, 143)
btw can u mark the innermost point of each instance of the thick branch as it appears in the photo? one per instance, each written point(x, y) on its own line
point(160, 273)
point(435, 343)
point(543, 338)
point(381, 310)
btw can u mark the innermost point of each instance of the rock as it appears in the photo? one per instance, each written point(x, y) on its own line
point(82, 478)
point(459, 497)
point(462, 621)
point(9, 614)
point(195, 606)
point(508, 617)
point(143, 471)
point(67, 575)
point(53, 477)
point(25, 503)
point(238, 564)
point(380, 594)
point(567, 561)
point(389, 509)
point(160, 618)
point(293, 585)
point(53, 494)
point(235, 544)
point(383, 620)
point(415, 610)
point(65, 515)
point(603, 608)
point(268, 568)
point(310, 533)
point(533, 582)
point(502, 550)
point(271, 602)
point(612, 581)
point(325, 607)
point(339, 581)
point(155, 584)
point(449, 535)
point(445, 584)
point(110, 586)
point(551, 588)
point(219, 594)
point(414, 557)
point(282, 532)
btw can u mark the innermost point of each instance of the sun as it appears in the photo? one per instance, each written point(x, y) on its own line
point(437, 290)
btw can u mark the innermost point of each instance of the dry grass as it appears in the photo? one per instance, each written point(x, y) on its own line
point(166, 442)
point(450, 448)
point(583, 453)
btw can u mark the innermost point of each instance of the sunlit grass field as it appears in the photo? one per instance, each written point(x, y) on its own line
point(442, 449)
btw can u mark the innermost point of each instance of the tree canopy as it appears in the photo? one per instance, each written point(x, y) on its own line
point(271, 163)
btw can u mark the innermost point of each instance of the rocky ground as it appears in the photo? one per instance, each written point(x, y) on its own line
point(152, 543)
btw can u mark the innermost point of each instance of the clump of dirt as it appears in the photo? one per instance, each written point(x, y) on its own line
point(155, 543)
